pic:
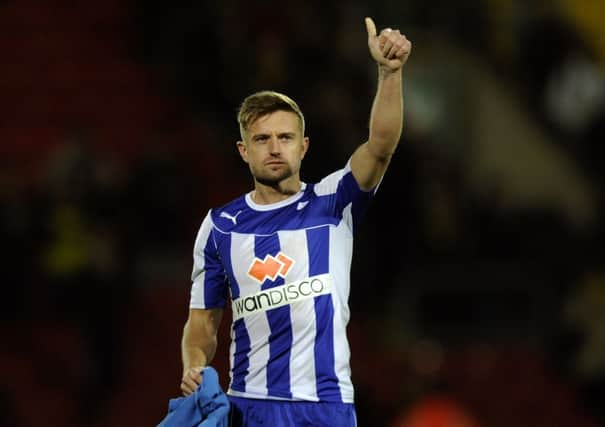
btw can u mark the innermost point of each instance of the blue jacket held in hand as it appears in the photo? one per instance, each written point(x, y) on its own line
point(208, 406)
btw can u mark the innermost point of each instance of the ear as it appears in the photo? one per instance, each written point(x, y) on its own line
point(241, 147)
point(305, 142)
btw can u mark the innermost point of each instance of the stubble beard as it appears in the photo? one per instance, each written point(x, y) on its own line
point(273, 180)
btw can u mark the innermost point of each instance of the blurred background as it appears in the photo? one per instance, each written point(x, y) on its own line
point(478, 290)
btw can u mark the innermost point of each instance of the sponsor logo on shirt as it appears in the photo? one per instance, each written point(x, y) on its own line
point(279, 296)
point(270, 267)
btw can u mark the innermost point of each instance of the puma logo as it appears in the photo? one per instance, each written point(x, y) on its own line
point(231, 217)
point(301, 205)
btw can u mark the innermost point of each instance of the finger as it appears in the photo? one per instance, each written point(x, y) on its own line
point(404, 47)
point(387, 48)
point(187, 388)
point(189, 383)
point(383, 37)
point(386, 38)
point(396, 50)
point(404, 50)
point(370, 27)
point(400, 53)
point(400, 42)
point(195, 375)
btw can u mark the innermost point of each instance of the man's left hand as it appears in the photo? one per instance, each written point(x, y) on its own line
point(390, 49)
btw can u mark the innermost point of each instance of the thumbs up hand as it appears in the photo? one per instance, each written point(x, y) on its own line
point(390, 49)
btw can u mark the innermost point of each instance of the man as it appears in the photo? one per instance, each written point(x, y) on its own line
point(282, 254)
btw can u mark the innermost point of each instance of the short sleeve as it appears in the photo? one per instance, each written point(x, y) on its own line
point(209, 282)
point(347, 198)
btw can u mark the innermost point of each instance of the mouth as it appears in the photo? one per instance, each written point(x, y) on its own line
point(274, 163)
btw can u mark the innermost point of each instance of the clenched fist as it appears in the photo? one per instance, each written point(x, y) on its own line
point(192, 378)
point(390, 48)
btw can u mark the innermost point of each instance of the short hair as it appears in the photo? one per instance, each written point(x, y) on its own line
point(265, 102)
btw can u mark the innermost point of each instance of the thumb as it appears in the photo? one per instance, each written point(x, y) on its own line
point(371, 27)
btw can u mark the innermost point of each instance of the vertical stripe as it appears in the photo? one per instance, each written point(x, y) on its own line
point(240, 340)
point(209, 279)
point(302, 357)
point(242, 253)
point(256, 326)
point(280, 338)
point(327, 383)
point(200, 273)
point(341, 252)
point(241, 348)
point(225, 254)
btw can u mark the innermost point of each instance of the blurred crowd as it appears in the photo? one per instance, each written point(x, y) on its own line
point(482, 254)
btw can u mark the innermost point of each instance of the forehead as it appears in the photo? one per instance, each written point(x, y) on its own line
point(278, 121)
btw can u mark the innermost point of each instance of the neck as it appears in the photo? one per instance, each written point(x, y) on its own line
point(267, 194)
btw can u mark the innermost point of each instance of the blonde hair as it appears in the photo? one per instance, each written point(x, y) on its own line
point(265, 102)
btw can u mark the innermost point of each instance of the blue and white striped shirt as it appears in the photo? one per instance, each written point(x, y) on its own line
point(286, 268)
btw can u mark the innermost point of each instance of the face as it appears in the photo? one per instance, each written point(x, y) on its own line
point(274, 147)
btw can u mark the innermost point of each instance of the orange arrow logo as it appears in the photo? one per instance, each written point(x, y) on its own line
point(270, 267)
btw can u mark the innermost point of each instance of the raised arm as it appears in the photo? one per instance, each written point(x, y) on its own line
point(390, 49)
point(198, 345)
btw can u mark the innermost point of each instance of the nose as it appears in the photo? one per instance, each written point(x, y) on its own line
point(274, 146)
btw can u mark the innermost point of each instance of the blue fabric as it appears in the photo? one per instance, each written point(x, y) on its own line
point(208, 406)
point(282, 413)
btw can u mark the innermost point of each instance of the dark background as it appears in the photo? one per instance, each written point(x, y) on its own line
point(478, 290)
